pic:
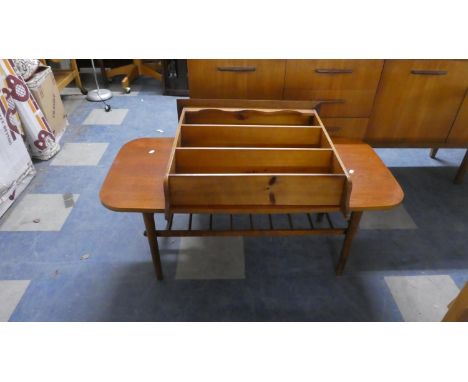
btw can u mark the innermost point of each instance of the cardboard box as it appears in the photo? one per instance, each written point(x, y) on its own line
point(23, 115)
point(44, 89)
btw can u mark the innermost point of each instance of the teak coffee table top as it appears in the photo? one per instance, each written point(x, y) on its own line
point(135, 180)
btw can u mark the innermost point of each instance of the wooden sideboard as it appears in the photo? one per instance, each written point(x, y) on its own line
point(388, 103)
point(417, 102)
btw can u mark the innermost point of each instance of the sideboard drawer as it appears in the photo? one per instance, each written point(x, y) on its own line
point(346, 127)
point(250, 79)
point(348, 86)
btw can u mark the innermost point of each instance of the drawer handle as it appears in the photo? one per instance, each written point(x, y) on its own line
point(333, 71)
point(236, 68)
point(429, 72)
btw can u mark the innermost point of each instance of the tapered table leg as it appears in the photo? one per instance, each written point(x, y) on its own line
point(153, 243)
point(353, 226)
point(462, 169)
point(434, 152)
point(320, 216)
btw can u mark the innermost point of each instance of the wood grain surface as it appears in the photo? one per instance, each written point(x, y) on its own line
point(135, 180)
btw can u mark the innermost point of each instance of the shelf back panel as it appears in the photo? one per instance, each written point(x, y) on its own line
point(251, 116)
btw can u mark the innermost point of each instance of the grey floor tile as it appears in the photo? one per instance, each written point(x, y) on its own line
point(39, 212)
point(71, 91)
point(80, 154)
point(395, 218)
point(422, 298)
point(11, 292)
point(71, 102)
point(208, 258)
point(102, 117)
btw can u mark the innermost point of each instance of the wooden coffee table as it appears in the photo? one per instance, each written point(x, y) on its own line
point(137, 182)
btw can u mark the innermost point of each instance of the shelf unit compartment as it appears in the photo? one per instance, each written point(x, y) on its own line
point(252, 136)
point(256, 189)
point(253, 160)
point(235, 116)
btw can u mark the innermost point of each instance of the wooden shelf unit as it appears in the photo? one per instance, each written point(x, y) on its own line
point(227, 160)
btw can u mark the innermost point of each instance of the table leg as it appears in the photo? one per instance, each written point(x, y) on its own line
point(434, 152)
point(153, 243)
point(353, 226)
point(462, 169)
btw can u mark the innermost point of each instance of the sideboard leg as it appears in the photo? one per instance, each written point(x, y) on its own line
point(353, 226)
point(153, 243)
point(462, 169)
point(434, 152)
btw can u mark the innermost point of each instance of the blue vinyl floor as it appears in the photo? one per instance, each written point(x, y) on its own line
point(95, 265)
